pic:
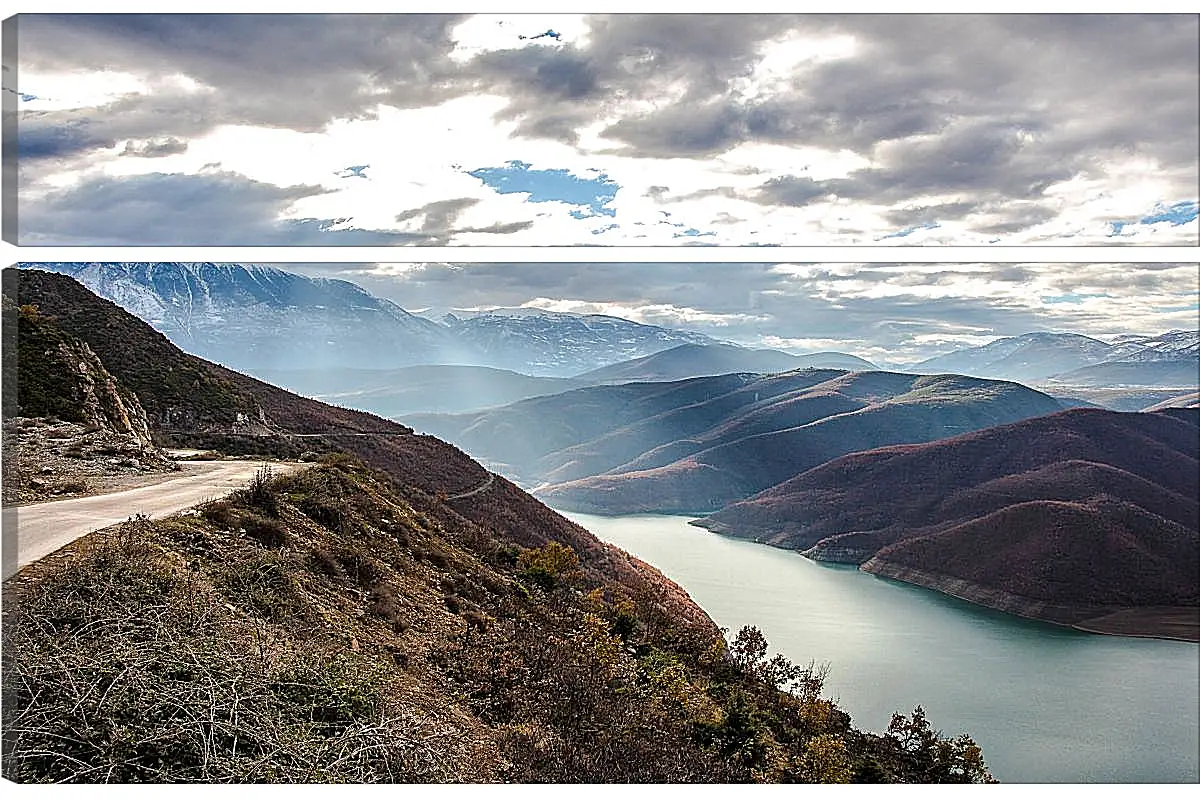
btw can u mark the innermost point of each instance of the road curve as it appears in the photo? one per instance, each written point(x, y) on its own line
point(483, 487)
point(42, 528)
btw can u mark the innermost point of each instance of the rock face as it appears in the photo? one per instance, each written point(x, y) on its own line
point(61, 376)
point(102, 402)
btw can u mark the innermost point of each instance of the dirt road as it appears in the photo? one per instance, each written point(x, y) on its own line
point(42, 528)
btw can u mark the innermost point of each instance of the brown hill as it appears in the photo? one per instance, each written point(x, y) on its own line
point(1063, 517)
point(775, 439)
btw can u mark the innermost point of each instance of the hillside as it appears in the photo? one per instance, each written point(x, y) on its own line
point(405, 617)
point(695, 360)
point(192, 403)
point(1065, 517)
point(317, 628)
point(699, 443)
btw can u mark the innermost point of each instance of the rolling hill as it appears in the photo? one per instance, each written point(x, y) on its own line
point(696, 360)
point(1068, 517)
point(699, 443)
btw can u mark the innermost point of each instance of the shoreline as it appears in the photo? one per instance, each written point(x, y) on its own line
point(1169, 623)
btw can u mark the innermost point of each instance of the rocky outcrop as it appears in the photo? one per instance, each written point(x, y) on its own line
point(101, 400)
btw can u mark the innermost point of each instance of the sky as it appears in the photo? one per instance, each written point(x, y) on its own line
point(891, 314)
point(529, 130)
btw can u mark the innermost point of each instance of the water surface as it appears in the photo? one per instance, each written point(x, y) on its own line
point(1046, 703)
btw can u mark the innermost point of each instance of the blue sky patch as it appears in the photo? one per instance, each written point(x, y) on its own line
point(1070, 297)
point(592, 195)
point(901, 234)
point(1179, 213)
point(354, 172)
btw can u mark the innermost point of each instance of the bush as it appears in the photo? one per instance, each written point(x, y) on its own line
point(546, 566)
point(220, 512)
point(260, 493)
point(267, 532)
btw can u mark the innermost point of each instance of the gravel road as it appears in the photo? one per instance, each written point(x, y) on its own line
point(42, 528)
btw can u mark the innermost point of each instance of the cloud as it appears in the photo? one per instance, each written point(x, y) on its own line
point(155, 148)
point(160, 209)
point(889, 313)
point(762, 129)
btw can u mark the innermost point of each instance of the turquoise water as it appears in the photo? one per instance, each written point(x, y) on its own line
point(1047, 704)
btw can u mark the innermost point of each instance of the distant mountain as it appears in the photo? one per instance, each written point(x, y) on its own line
point(695, 360)
point(1180, 373)
point(557, 344)
point(1170, 359)
point(259, 319)
point(1069, 516)
point(699, 443)
point(429, 388)
point(1021, 358)
point(1189, 400)
point(1164, 347)
point(254, 317)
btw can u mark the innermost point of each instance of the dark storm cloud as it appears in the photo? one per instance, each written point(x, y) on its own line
point(158, 209)
point(437, 224)
point(36, 142)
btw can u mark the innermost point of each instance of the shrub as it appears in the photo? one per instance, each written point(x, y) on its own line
point(220, 512)
point(267, 532)
point(327, 563)
point(260, 493)
point(385, 606)
point(546, 566)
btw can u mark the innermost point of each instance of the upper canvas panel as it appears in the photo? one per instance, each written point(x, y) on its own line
point(605, 130)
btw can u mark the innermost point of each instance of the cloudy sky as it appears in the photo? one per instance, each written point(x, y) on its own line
point(891, 314)
point(608, 130)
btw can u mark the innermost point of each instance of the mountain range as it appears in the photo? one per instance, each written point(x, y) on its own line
point(1067, 359)
point(257, 318)
point(696, 444)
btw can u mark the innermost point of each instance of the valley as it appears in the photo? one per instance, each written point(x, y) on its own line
point(984, 475)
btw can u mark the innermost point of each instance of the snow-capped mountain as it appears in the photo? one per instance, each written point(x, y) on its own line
point(1131, 360)
point(1022, 358)
point(561, 344)
point(258, 319)
point(253, 317)
point(1170, 346)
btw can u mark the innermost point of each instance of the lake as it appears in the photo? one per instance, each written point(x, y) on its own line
point(1047, 704)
